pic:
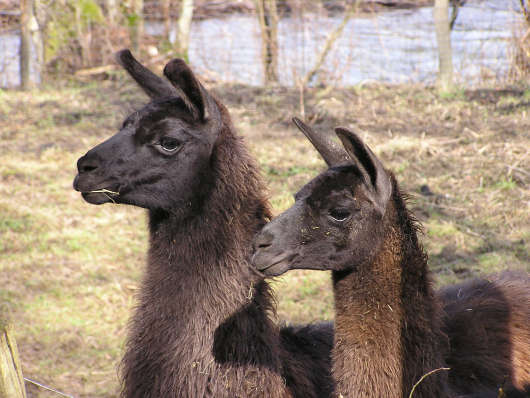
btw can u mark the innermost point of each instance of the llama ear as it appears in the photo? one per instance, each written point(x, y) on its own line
point(376, 177)
point(200, 103)
point(153, 85)
point(330, 151)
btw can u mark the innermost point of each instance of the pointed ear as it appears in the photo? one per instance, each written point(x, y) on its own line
point(200, 103)
point(153, 85)
point(375, 175)
point(331, 152)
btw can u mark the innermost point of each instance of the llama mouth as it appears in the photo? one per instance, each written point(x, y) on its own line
point(97, 196)
point(100, 196)
point(276, 266)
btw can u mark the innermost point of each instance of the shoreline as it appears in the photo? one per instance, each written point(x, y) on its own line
point(10, 15)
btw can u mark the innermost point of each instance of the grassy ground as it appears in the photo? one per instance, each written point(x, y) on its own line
point(69, 270)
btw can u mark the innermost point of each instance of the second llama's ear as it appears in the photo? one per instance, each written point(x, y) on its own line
point(154, 86)
point(191, 91)
point(332, 153)
point(375, 175)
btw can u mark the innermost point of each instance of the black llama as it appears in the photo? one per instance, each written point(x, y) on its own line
point(390, 328)
point(202, 326)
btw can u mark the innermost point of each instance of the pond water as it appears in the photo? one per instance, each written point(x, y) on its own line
point(395, 46)
point(10, 61)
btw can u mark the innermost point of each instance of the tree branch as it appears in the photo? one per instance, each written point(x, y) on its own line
point(526, 11)
point(329, 44)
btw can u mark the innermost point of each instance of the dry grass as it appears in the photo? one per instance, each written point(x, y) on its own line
point(68, 270)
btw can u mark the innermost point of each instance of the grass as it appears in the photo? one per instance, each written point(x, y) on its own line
point(69, 270)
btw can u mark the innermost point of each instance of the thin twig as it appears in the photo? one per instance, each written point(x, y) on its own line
point(423, 377)
point(106, 192)
point(332, 37)
point(48, 388)
point(454, 14)
point(511, 168)
point(526, 11)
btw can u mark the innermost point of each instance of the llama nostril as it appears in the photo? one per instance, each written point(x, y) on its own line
point(85, 165)
point(263, 240)
point(87, 168)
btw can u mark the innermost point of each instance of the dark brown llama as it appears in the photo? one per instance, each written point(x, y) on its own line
point(202, 326)
point(390, 329)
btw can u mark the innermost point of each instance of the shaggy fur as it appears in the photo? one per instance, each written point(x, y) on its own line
point(390, 327)
point(387, 321)
point(202, 326)
point(487, 321)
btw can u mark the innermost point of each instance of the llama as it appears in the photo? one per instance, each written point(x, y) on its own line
point(203, 324)
point(390, 327)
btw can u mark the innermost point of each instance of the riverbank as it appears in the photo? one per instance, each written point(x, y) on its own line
point(215, 9)
point(204, 9)
point(69, 270)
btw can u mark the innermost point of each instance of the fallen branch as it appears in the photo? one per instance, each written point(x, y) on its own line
point(95, 71)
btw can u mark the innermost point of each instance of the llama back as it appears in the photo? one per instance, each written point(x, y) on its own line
point(487, 321)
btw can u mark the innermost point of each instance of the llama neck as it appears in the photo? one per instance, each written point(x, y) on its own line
point(386, 327)
point(202, 322)
point(208, 251)
point(197, 262)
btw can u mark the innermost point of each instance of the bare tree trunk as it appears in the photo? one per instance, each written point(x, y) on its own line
point(113, 19)
point(26, 17)
point(38, 27)
point(443, 38)
point(30, 39)
point(521, 63)
point(268, 21)
point(137, 28)
point(166, 5)
point(82, 38)
point(112, 12)
point(184, 26)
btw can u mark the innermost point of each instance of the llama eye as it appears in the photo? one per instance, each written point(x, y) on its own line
point(169, 144)
point(339, 214)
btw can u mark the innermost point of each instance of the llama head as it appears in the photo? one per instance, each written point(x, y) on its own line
point(159, 159)
point(336, 222)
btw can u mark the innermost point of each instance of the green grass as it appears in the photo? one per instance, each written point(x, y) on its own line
point(456, 93)
point(505, 183)
point(69, 270)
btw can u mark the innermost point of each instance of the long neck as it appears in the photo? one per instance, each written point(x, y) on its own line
point(201, 327)
point(387, 332)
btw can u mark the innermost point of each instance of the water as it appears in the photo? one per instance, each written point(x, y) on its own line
point(10, 61)
point(396, 46)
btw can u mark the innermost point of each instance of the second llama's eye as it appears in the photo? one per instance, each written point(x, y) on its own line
point(339, 214)
point(169, 144)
